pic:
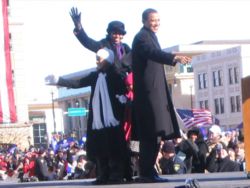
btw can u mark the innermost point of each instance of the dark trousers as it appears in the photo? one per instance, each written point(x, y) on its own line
point(128, 166)
point(149, 149)
point(110, 168)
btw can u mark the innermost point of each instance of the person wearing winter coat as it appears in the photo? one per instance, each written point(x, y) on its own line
point(219, 161)
point(122, 65)
point(105, 142)
point(154, 111)
point(170, 163)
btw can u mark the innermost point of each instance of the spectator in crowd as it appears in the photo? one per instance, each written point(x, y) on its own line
point(72, 158)
point(188, 147)
point(198, 165)
point(170, 163)
point(14, 163)
point(231, 154)
point(214, 137)
point(41, 166)
point(51, 162)
point(154, 111)
point(233, 141)
point(3, 167)
point(61, 164)
point(50, 158)
point(80, 171)
point(226, 138)
point(105, 143)
point(240, 155)
point(219, 161)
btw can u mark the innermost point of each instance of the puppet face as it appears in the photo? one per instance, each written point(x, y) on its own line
point(116, 38)
point(101, 63)
point(104, 57)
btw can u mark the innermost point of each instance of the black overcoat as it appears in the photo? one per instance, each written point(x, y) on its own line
point(153, 105)
point(105, 142)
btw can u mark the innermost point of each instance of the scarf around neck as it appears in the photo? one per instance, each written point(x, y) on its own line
point(101, 92)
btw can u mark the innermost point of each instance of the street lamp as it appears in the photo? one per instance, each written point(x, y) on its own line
point(77, 103)
point(53, 110)
point(191, 96)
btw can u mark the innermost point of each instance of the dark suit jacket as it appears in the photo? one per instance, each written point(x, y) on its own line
point(153, 105)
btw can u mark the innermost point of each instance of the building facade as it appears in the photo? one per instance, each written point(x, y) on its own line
point(217, 77)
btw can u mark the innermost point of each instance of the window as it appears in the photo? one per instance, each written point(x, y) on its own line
point(202, 81)
point(205, 80)
point(236, 74)
point(206, 104)
point(203, 104)
point(181, 68)
point(222, 105)
point(216, 106)
point(190, 68)
point(230, 74)
point(220, 76)
point(238, 103)
point(235, 103)
point(232, 103)
point(217, 78)
point(39, 132)
point(186, 68)
point(233, 74)
point(219, 106)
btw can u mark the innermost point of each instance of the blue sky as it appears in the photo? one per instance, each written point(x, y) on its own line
point(50, 46)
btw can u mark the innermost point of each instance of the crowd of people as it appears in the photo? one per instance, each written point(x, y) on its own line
point(193, 152)
point(66, 161)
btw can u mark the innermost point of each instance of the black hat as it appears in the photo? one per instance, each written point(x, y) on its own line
point(193, 131)
point(42, 150)
point(116, 27)
point(168, 147)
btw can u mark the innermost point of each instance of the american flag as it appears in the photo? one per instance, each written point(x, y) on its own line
point(195, 117)
point(7, 103)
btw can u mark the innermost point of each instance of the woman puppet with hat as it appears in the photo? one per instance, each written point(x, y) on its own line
point(113, 40)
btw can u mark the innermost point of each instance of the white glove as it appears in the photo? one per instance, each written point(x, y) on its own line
point(122, 99)
point(51, 79)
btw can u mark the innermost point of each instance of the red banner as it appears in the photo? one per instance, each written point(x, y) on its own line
point(7, 102)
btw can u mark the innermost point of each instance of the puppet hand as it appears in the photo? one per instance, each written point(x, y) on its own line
point(76, 17)
point(51, 80)
point(122, 99)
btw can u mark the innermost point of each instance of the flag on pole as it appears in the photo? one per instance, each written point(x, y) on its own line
point(7, 103)
point(195, 117)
